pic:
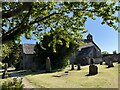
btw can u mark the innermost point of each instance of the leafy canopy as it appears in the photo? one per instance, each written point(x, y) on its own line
point(66, 19)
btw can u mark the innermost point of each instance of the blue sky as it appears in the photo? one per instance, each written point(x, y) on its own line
point(104, 36)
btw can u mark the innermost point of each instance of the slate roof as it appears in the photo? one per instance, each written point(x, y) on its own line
point(90, 44)
point(86, 48)
point(85, 51)
point(28, 48)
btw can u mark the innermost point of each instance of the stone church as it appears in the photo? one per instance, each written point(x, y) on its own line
point(82, 56)
point(87, 52)
point(27, 56)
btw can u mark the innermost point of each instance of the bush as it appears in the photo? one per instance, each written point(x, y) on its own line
point(15, 84)
point(2, 65)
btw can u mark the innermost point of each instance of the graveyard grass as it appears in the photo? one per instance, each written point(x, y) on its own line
point(106, 78)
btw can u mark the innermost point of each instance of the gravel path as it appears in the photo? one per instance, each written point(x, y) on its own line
point(27, 84)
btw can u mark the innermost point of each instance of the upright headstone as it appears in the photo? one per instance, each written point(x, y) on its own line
point(92, 68)
point(110, 64)
point(4, 75)
point(78, 67)
point(101, 63)
point(119, 58)
point(92, 61)
point(48, 65)
point(72, 66)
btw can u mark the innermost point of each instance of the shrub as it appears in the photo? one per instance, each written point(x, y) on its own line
point(15, 84)
point(2, 65)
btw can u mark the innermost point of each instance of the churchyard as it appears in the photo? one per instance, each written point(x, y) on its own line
point(67, 78)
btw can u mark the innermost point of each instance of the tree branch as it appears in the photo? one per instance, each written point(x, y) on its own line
point(11, 33)
point(19, 30)
point(12, 13)
point(86, 10)
point(36, 20)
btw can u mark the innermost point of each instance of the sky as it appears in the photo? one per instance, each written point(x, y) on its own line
point(104, 36)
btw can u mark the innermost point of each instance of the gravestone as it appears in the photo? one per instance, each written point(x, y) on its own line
point(101, 63)
point(110, 64)
point(4, 75)
point(118, 58)
point(72, 66)
point(48, 65)
point(92, 61)
point(78, 67)
point(93, 69)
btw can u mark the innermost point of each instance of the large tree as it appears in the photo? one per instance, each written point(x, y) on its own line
point(63, 21)
point(39, 18)
point(59, 54)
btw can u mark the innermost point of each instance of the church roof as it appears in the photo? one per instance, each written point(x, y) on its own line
point(86, 48)
point(85, 51)
point(28, 48)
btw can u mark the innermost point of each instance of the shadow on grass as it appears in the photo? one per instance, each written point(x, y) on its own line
point(110, 67)
point(90, 75)
point(10, 70)
point(21, 73)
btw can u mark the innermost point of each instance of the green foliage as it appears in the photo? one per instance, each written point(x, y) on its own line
point(59, 58)
point(105, 52)
point(10, 53)
point(13, 85)
point(62, 17)
point(2, 65)
point(55, 24)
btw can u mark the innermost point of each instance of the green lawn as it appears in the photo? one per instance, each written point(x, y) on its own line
point(106, 78)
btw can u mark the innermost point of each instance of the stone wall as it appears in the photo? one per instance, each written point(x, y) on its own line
point(113, 57)
point(97, 60)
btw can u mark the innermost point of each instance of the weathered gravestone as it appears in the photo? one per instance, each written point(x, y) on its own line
point(101, 63)
point(4, 75)
point(110, 63)
point(119, 58)
point(78, 67)
point(92, 61)
point(92, 68)
point(48, 65)
point(72, 66)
